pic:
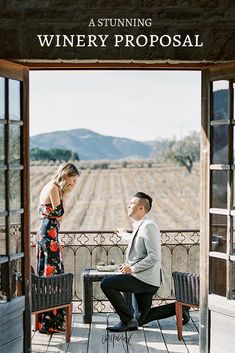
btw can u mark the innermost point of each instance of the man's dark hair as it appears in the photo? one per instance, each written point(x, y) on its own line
point(142, 195)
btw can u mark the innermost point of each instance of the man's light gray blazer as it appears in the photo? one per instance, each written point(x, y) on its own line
point(144, 252)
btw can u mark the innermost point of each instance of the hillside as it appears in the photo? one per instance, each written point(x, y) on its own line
point(101, 197)
point(93, 146)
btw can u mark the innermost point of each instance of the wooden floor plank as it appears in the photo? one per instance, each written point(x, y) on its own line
point(153, 337)
point(117, 342)
point(80, 336)
point(98, 334)
point(137, 343)
point(58, 342)
point(169, 332)
point(191, 335)
point(40, 342)
point(195, 317)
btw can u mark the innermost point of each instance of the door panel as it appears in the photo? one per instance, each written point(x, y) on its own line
point(217, 216)
point(15, 325)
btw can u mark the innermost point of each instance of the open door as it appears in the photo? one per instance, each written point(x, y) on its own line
point(217, 276)
point(15, 318)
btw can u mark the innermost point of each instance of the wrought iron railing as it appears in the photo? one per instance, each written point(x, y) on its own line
point(84, 249)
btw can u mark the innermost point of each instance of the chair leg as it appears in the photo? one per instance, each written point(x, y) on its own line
point(178, 310)
point(36, 322)
point(68, 321)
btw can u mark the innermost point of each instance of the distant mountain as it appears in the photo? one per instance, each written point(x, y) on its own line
point(91, 145)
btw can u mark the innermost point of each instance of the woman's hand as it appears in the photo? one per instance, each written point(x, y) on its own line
point(71, 182)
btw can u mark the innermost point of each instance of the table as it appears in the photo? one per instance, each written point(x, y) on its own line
point(89, 276)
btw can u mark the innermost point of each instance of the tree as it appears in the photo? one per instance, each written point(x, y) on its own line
point(184, 152)
point(74, 156)
point(59, 154)
point(53, 154)
point(37, 154)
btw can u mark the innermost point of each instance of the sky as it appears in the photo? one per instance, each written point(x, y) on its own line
point(141, 105)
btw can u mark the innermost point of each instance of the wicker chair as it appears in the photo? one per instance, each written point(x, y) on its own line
point(49, 293)
point(187, 287)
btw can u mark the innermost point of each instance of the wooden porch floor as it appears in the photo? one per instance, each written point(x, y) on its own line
point(155, 337)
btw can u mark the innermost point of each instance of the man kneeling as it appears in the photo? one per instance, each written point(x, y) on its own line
point(141, 274)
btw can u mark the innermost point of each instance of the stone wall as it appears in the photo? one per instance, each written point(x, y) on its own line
point(213, 21)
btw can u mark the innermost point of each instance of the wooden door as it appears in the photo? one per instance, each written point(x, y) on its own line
point(217, 274)
point(15, 318)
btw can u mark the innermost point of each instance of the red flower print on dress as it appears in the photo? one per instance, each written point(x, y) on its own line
point(49, 208)
point(49, 270)
point(52, 233)
point(53, 246)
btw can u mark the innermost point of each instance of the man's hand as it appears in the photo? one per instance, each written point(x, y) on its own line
point(125, 268)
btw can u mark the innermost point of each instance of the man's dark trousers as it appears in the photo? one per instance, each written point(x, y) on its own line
point(113, 286)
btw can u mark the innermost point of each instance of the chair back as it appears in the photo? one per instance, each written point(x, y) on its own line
point(187, 287)
point(49, 292)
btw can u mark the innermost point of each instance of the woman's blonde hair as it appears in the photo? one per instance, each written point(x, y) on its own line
point(65, 170)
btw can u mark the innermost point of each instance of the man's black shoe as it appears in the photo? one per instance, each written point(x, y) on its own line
point(186, 316)
point(131, 325)
point(141, 322)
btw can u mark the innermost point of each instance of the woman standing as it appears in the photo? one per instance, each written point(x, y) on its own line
point(49, 254)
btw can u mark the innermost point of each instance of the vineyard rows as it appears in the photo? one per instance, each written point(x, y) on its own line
point(101, 197)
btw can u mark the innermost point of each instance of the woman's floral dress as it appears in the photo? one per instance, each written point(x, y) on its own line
point(49, 260)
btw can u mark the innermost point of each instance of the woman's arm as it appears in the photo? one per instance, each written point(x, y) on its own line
point(54, 196)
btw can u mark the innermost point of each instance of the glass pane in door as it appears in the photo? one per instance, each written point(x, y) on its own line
point(14, 144)
point(3, 283)
point(233, 280)
point(3, 266)
point(233, 145)
point(218, 233)
point(219, 189)
point(15, 189)
point(2, 236)
point(220, 100)
point(16, 278)
point(2, 145)
point(233, 238)
point(217, 276)
point(233, 191)
point(14, 100)
point(2, 98)
point(15, 234)
point(2, 191)
point(219, 144)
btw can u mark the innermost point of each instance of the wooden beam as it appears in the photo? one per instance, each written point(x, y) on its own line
point(124, 65)
point(11, 70)
point(204, 212)
point(26, 214)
